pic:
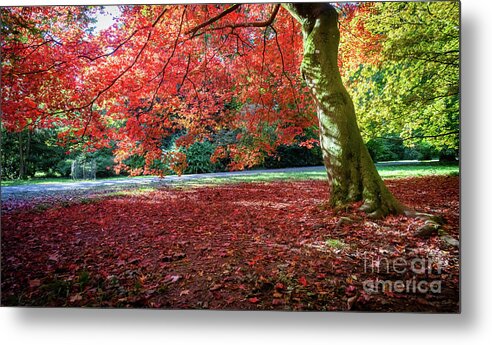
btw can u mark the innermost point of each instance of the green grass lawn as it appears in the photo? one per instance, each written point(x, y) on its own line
point(386, 170)
point(416, 170)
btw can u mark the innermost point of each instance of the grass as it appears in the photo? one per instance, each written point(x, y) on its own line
point(416, 170)
point(259, 177)
point(386, 170)
point(133, 192)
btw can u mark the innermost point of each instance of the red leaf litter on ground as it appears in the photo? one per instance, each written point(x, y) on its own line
point(266, 246)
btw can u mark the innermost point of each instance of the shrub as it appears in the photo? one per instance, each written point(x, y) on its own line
point(385, 149)
point(287, 156)
point(198, 158)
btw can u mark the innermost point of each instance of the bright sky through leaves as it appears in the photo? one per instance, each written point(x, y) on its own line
point(106, 18)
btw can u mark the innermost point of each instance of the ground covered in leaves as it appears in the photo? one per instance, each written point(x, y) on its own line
point(262, 246)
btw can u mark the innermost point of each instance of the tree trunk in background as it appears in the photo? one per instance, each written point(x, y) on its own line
point(352, 175)
point(22, 159)
point(24, 151)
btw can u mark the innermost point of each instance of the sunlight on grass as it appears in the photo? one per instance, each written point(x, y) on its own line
point(386, 172)
point(133, 192)
point(402, 171)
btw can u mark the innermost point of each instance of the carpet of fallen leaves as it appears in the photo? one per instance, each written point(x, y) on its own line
point(261, 246)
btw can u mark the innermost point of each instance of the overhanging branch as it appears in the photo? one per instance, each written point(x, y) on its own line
point(213, 19)
point(420, 136)
point(265, 23)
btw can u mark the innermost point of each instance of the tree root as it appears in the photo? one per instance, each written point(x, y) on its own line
point(432, 227)
point(450, 240)
point(432, 223)
point(342, 221)
point(374, 211)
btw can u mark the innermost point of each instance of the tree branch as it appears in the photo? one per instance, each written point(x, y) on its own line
point(421, 136)
point(284, 72)
point(214, 19)
point(163, 71)
point(56, 64)
point(265, 23)
point(123, 42)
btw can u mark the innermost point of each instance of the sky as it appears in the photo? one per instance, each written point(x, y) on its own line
point(105, 20)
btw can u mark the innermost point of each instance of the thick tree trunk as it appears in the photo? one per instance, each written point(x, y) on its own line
point(352, 175)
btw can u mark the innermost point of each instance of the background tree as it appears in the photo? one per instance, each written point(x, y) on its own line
point(410, 85)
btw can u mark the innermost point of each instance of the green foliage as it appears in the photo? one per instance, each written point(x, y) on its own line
point(135, 161)
point(198, 158)
point(25, 153)
point(448, 155)
point(29, 153)
point(294, 156)
point(392, 148)
point(64, 167)
point(104, 162)
point(423, 151)
point(386, 149)
point(103, 158)
point(414, 91)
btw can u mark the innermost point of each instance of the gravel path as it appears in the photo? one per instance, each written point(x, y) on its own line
point(104, 186)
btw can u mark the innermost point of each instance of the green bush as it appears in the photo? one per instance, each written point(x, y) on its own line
point(287, 156)
point(448, 155)
point(393, 148)
point(64, 167)
point(421, 151)
point(386, 149)
point(198, 158)
point(104, 162)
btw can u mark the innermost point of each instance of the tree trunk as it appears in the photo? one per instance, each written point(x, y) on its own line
point(22, 159)
point(352, 175)
point(24, 151)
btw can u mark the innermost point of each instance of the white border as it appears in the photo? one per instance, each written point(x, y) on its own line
point(72, 326)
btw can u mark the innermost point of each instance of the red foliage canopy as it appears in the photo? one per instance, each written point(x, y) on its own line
point(159, 70)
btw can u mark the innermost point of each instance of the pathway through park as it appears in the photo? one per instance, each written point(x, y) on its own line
point(110, 185)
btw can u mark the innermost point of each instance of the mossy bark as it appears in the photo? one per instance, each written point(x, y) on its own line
point(352, 175)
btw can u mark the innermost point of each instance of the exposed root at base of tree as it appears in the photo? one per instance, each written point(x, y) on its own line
point(432, 226)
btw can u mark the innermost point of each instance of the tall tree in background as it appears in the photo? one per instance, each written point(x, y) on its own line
point(163, 69)
point(411, 85)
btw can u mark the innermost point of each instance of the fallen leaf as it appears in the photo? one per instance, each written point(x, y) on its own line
point(75, 298)
point(34, 283)
point(216, 287)
point(171, 278)
point(254, 300)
